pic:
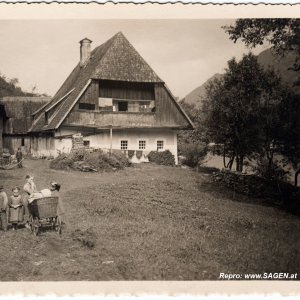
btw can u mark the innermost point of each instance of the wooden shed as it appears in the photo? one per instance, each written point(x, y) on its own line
point(16, 116)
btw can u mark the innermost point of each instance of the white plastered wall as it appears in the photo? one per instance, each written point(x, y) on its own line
point(63, 145)
point(133, 136)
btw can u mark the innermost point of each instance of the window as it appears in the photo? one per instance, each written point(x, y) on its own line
point(23, 142)
point(123, 106)
point(160, 145)
point(142, 145)
point(124, 145)
point(86, 143)
point(88, 106)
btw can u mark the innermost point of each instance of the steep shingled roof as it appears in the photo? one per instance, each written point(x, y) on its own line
point(116, 59)
point(19, 109)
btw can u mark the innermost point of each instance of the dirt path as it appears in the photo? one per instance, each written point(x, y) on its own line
point(148, 223)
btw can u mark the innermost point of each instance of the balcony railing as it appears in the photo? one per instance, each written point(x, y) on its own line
point(126, 105)
point(111, 118)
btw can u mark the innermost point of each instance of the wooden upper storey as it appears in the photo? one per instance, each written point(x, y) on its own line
point(126, 104)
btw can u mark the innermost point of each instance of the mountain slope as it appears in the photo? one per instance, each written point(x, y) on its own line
point(267, 60)
point(196, 96)
point(281, 65)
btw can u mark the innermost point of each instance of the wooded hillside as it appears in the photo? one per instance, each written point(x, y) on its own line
point(8, 87)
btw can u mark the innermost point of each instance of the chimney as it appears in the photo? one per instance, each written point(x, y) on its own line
point(85, 51)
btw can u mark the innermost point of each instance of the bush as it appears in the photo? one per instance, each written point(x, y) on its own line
point(273, 172)
point(165, 158)
point(277, 192)
point(121, 158)
point(61, 162)
point(83, 160)
point(193, 153)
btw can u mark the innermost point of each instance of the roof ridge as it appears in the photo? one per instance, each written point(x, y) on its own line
point(106, 42)
point(113, 40)
point(131, 46)
point(122, 39)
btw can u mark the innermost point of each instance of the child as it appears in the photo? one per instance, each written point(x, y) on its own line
point(3, 208)
point(15, 208)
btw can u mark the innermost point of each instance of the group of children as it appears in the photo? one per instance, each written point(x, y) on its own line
point(14, 209)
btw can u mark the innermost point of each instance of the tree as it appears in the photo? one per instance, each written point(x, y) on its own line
point(243, 111)
point(289, 132)
point(274, 96)
point(14, 82)
point(283, 35)
point(231, 107)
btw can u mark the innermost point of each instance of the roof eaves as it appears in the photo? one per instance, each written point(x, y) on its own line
point(31, 129)
point(71, 106)
point(61, 99)
point(40, 109)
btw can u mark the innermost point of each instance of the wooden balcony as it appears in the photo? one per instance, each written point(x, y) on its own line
point(99, 119)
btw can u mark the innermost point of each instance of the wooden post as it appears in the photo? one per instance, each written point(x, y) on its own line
point(110, 133)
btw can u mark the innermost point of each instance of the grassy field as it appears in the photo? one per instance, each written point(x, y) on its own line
point(148, 223)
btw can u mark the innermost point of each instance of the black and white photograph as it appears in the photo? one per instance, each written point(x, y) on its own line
point(150, 149)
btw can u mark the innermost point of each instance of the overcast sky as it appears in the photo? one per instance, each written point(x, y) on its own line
point(183, 53)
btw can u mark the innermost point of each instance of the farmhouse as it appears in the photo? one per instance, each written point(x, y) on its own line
point(112, 100)
point(15, 121)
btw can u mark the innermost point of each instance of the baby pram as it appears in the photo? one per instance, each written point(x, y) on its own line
point(43, 212)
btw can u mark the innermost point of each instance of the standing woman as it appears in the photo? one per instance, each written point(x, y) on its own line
point(29, 188)
point(55, 187)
